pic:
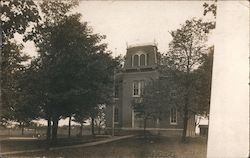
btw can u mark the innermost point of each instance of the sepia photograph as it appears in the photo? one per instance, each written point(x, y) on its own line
point(127, 79)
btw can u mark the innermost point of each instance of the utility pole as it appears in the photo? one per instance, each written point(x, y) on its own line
point(113, 120)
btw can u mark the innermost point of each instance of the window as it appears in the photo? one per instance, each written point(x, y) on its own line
point(138, 88)
point(139, 59)
point(116, 90)
point(142, 86)
point(132, 61)
point(142, 60)
point(173, 93)
point(173, 116)
point(116, 117)
point(147, 59)
point(136, 60)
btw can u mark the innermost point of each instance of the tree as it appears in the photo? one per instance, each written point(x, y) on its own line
point(16, 17)
point(100, 118)
point(52, 13)
point(74, 67)
point(186, 51)
point(81, 117)
point(203, 83)
point(210, 8)
point(102, 86)
point(149, 106)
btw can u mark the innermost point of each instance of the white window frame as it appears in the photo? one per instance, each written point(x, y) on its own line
point(142, 88)
point(171, 122)
point(133, 88)
point(139, 87)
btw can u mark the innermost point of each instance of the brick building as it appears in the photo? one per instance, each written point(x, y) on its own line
point(140, 67)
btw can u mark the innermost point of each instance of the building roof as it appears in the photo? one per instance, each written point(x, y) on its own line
point(141, 45)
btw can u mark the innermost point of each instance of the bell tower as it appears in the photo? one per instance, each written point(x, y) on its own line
point(141, 57)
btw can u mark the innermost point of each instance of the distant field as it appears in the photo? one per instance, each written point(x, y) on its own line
point(135, 147)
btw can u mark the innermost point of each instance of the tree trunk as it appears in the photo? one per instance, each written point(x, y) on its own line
point(185, 120)
point(22, 127)
point(35, 131)
point(81, 129)
point(144, 126)
point(54, 129)
point(92, 126)
point(186, 104)
point(48, 129)
point(69, 134)
point(99, 129)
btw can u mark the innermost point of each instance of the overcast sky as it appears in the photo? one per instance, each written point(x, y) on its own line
point(135, 22)
point(138, 21)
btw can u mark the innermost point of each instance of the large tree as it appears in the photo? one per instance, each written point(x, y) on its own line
point(186, 51)
point(75, 70)
point(203, 82)
point(16, 17)
point(52, 12)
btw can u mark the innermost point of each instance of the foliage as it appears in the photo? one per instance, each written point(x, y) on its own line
point(210, 8)
point(186, 53)
point(149, 106)
point(188, 45)
point(203, 83)
point(56, 10)
point(16, 17)
point(74, 69)
point(100, 118)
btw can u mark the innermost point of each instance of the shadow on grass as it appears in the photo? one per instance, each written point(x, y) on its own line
point(136, 147)
point(19, 144)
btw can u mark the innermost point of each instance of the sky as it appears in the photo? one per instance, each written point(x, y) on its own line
point(134, 22)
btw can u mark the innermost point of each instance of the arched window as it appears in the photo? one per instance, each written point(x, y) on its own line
point(142, 60)
point(136, 60)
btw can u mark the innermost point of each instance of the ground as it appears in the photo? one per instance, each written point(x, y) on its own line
point(138, 146)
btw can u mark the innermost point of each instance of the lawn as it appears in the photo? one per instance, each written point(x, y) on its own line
point(154, 146)
point(7, 145)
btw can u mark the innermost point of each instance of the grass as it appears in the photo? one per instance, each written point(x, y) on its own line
point(24, 144)
point(135, 147)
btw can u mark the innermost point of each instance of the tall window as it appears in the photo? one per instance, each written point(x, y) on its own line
point(116, 117)
point(147, 59)
point(138, 88)
point(139, 59)
point(173, 116)
point(136, 60)
point(142, 86)
point(142, 60)
point(116, 90)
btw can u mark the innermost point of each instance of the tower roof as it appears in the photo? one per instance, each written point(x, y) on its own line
point(141, 45)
